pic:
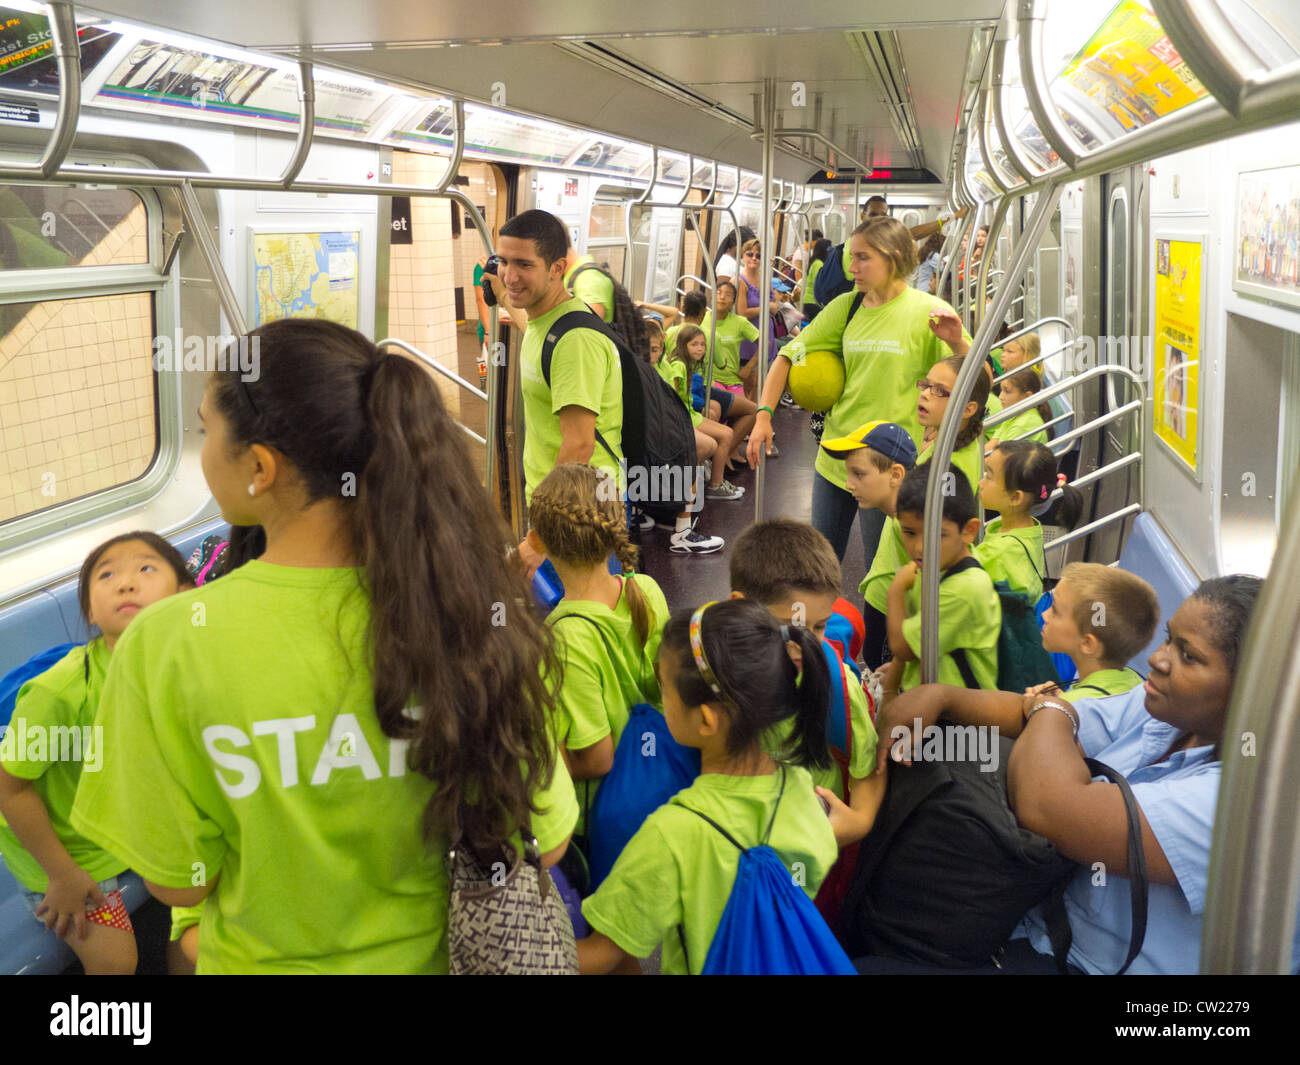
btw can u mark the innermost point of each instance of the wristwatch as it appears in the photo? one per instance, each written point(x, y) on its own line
point(1056, 704)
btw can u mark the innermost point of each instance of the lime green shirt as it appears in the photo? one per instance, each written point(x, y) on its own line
point(810, 284)
point(1015, 557)
point(886, 350)
point(970, 617)
point(891, 556)
point(675, 374)
point(970, 460)
point(731, 331)
point(592, 286)
point(862, 760)
point(678, 870)
point(605, 671)
point(184, 917)
point(585, 372)
point(51, 741)
point(992, 407)
point(1104, 682)
point(1020, 425)
point(243, 744)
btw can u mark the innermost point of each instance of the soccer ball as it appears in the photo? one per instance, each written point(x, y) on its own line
point(818, 383)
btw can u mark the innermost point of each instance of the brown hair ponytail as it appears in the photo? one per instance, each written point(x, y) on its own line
point(450, 629)
point(578, 512)
point(972, 427)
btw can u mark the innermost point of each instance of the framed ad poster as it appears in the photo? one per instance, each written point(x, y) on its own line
point(305, 275)
point(1266, 251)
point(1176, 354)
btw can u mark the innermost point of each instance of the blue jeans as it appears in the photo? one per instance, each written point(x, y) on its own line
point(833, 511)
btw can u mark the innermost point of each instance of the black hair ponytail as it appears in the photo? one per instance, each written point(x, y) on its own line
point(758, 685)
point(1030, 467)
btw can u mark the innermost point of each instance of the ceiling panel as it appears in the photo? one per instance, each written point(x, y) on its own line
point(647, 52)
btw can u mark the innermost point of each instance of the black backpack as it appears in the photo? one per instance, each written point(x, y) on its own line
point(830, 281)
point(626, 320)
point(946, 873)
point(658, 437)
point(1022, 662)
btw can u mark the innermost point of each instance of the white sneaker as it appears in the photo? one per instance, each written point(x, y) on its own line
point(641, 520)
point(689, 542)
point(723, 490)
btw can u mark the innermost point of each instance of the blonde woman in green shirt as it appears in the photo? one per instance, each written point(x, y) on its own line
point(300, 742)
point(890, 342)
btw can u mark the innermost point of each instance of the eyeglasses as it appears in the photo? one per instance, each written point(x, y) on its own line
point(938, 391)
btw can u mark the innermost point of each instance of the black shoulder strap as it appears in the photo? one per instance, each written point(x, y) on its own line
point(727, 835)
point(959, 655)
point(1058, 922)
point(853, 307)
point(579, 269)
point(593, 623)
point(564, 324)
point(1032, 564)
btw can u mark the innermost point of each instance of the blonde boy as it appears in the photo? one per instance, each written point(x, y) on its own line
point(1101, 617)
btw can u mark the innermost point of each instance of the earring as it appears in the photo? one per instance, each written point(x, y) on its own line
point(251, 490)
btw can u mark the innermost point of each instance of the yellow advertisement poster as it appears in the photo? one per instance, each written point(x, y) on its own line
point(1175, 388)
point(1131, 70)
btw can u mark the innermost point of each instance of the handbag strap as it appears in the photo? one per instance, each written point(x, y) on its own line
point(1058, 921)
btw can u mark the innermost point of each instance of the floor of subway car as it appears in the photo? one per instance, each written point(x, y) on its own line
point(688, 580)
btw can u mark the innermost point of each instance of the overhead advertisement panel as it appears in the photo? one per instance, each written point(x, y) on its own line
point(168, 79)
point(1130, 69)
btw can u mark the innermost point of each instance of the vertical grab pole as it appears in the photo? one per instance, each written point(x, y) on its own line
point(941, 459)
point(67, 56)
point(765, 265)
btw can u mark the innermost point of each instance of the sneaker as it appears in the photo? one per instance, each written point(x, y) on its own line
point(641, 520)
point(723, 490)
point(787, 400)
point(708, 468)
point(689, 542)
point(669, 525)
point(773, 452)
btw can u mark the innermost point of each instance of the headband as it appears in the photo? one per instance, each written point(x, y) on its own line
point(697, 650)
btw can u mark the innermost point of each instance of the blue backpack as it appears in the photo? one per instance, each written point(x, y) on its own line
point(650, 767)
point(770, 927)
point(830, 280)
point(11, 683)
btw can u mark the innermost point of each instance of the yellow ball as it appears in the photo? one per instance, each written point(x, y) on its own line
point(817, 384)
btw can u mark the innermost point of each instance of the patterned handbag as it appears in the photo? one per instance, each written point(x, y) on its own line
point(507, 923)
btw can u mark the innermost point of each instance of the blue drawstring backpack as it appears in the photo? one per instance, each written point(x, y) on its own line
point(11, 683)
point(1065, 667)
point(770, 927)
point(650, 767)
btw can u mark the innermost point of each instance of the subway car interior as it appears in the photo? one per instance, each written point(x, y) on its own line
point(1118, 182)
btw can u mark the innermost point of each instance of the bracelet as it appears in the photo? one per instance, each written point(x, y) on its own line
point(769, 410)
point(1074, 720)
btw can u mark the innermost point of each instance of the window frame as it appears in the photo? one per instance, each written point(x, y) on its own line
point(75, 282)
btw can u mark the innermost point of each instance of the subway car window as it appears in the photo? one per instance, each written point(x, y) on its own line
point(44, 227)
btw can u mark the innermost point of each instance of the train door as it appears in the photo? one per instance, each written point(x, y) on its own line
point(1124, 222)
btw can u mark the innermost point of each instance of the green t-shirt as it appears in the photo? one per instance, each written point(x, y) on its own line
point(891, 556)
point(678, 870)
point(598, 690)
point(992, 407)
point(970, 617)
point(970, 460)
point(886, 350)
point(862, 760)
point(585, 372)
point(675, 374)
point(1015, 557)
point(670, 338)
point(592, 286)
point(184, 917)
point(731, 331)
point(243, 743)
point(51, 741)
point(1104, 682)
point(810, 284)
point(1020, 424)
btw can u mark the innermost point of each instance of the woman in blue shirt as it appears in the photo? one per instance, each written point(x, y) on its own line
point(1165, 737)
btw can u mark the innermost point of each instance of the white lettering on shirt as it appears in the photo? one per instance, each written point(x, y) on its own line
point(346, 748)
point(251, 775)
point(283, 728)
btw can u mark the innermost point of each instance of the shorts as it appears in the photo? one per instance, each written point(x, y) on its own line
point(113, 914)
point(735, 390)
point(724, 398)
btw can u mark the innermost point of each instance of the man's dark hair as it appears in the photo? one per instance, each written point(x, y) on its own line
point(544, 230)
